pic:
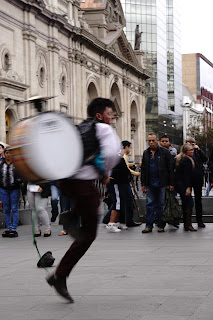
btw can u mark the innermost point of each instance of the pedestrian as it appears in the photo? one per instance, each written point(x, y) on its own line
point(9, 194)
point(156, 174)
point(37, 196)
point(127, 197)
point(185, 167)
point(55, 194)
point(197, 183)
point(1, 152)
point(210, 174)
point(81, 188)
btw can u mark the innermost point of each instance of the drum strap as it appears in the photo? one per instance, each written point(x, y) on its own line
point(34, 217)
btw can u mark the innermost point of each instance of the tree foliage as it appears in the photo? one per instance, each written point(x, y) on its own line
point(204, 139)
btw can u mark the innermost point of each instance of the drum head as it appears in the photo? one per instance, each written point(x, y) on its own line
point(55, 150)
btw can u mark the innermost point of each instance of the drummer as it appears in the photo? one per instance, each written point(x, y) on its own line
point(82, 190)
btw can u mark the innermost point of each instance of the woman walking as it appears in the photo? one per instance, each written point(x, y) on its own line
point(183, 182)
point(9, 194)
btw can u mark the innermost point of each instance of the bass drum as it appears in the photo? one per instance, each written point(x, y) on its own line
point(46, 147)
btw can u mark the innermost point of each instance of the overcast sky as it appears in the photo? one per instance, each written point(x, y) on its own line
point(197, 27)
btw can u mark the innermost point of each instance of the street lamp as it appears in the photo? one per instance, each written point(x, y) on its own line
point(164, 124)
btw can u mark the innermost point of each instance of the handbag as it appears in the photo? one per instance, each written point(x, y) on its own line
point(172, 212)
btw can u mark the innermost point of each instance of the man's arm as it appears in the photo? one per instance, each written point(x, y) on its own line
point(134, 173)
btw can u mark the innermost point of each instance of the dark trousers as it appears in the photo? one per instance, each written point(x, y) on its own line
point(198, 201)
point(126, 198)
point(86, 203)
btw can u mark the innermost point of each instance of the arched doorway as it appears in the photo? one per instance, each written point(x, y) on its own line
point(10, 120)
point(92, 92)
point(135, 133)
point(116, 98)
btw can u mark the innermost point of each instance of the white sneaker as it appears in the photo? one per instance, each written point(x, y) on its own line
point(121, 226)
point(111, 227)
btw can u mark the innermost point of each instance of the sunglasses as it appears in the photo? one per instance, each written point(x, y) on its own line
point(152, 140)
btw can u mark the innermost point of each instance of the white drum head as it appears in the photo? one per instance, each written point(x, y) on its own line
point(55, 150)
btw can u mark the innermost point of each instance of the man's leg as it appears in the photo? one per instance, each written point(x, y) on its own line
point(14, 200)
point(5, 198)
point(86, 205)
point(160, 204)
point(150, 207)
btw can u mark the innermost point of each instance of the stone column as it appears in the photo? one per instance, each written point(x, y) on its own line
point(29, 41)
point(70, 11)
point(53, 80)
point(2, 120)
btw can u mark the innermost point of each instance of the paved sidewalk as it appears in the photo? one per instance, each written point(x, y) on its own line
point(130, 275)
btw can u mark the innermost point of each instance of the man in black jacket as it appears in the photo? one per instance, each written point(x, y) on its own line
point(197, 183)
point(156, 174)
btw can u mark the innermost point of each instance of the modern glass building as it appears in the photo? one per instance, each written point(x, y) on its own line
point(159, 20)
point(198, 77)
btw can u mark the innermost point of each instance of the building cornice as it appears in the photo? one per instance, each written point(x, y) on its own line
point(78, 34)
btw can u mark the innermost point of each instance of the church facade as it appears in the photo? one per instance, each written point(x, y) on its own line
point(74, 51)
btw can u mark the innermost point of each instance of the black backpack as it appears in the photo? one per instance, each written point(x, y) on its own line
point(91, 144)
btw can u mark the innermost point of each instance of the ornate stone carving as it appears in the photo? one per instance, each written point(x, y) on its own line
point(116, 78)
point(11, 75)
point(96, 68)
point(39, 2)
point(112, 15)
point(83, 22)
point(105, 70)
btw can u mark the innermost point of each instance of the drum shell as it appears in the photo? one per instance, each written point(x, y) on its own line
point(31, 134)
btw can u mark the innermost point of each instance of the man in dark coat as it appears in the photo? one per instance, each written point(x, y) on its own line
point(199, 158)
point(156, 174)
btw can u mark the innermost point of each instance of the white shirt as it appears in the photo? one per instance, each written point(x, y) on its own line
point(110, 146)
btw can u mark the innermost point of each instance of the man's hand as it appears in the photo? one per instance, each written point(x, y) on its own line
point(144, 189)
point(40, 190)
point(171, 188)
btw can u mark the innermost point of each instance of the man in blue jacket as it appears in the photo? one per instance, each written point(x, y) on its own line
point(156, 174)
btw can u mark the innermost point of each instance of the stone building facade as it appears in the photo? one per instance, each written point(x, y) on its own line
point(74, 51)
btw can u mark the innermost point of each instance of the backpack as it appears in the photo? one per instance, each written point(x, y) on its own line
point(90, 142)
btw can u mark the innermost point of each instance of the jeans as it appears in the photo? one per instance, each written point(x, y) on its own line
point(10, 201)
point(208, 189)
point(155, 202)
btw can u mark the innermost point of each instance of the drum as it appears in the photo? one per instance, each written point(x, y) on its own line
point(46, 147)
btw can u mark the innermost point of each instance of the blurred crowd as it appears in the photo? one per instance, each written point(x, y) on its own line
point(161, 170)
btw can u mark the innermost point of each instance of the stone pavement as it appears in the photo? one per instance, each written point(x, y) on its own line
point(131, 276)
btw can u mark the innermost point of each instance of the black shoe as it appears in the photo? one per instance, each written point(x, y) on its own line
point(53, 219)
point(60, 286)
point(13, 234)
point(47, 234)
point(134, 224)
point(201, 225)
point(6, 233)
point(37, 234)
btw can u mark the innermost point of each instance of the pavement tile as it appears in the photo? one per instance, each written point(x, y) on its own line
point(125, 276)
